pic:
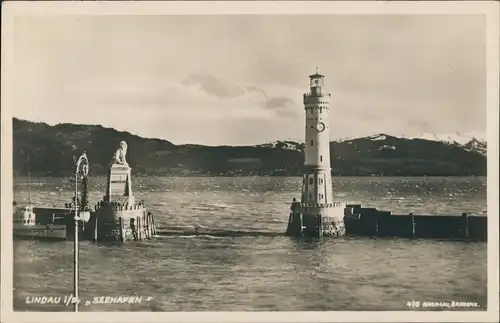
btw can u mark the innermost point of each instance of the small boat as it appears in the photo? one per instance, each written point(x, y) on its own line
point(26, 227)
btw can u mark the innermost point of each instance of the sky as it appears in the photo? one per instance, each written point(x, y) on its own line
point(239, 80)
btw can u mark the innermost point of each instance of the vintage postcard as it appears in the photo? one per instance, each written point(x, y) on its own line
point(249, 161)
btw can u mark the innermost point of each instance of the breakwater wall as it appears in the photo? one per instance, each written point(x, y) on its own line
point(372, 222)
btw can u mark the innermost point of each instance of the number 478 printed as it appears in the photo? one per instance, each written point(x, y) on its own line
point(413, 304)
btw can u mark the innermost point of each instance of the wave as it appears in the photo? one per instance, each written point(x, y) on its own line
point(216, 233)
point(210, 207)
point(192, 236)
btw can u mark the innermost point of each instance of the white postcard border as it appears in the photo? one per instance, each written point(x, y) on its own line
point(13, 9)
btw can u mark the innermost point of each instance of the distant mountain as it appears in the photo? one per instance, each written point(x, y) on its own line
point(287, 145)
point(476, 145)
point(51, 150)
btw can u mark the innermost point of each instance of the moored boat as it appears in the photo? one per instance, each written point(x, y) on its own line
point(25, 226)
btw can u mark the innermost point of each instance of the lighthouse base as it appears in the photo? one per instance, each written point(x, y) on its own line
point(121, 222)
point(317, 220)
point(332, 227)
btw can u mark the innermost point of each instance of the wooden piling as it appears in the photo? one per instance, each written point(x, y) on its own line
point(413, 225)
point(146, 225)
point(150, 227)
point(153, 222)
point(150, 224)
point(95, 230)
point(301, 224)
point(138, 227)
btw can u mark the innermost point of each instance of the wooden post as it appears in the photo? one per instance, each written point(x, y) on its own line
point(153, 222)
point(95, 229)
point(301, 224)
point(413, 225)
point(150, 224)
point(150, 232)
point(376, 224)
point(150, 228)
point(146, 224)
point(139, 228)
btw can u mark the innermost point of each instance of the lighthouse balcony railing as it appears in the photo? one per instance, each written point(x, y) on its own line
point(318, 205)
point(316, 95)
point(115, 206)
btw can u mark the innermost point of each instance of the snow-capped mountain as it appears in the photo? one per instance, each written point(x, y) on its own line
point(389, 142)
point(376, 155)
point(476, 145)
point(377, 137)
point(286, 145)
point(451, 138)
point(464, 141)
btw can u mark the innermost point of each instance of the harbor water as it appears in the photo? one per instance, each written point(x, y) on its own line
point(258, 269)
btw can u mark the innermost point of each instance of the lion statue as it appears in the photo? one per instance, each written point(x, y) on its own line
point(119, 157)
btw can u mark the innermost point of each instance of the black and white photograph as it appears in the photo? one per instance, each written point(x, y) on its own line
point(262, 158)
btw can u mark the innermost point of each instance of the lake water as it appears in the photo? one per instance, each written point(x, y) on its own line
point(265, 271)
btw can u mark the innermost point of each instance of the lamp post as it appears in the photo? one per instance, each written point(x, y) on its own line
point(82, 170)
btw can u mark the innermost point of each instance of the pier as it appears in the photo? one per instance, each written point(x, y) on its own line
point(372, 222)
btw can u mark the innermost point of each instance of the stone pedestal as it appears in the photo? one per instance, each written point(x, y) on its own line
point(119, 184)
point(118, 217)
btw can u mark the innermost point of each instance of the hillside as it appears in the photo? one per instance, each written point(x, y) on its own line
point(51, 150)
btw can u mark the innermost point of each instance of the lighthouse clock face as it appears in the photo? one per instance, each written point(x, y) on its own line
point(320, 127)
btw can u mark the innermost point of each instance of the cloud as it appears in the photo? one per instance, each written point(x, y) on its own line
point(278, 103)
point(214, 86)
point(283, 106)
point(253, 88)
point(241, 78)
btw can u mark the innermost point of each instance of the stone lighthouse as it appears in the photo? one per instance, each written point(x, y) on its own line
point(317, 214)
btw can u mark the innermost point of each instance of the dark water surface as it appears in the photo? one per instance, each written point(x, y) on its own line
point(265, 271)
